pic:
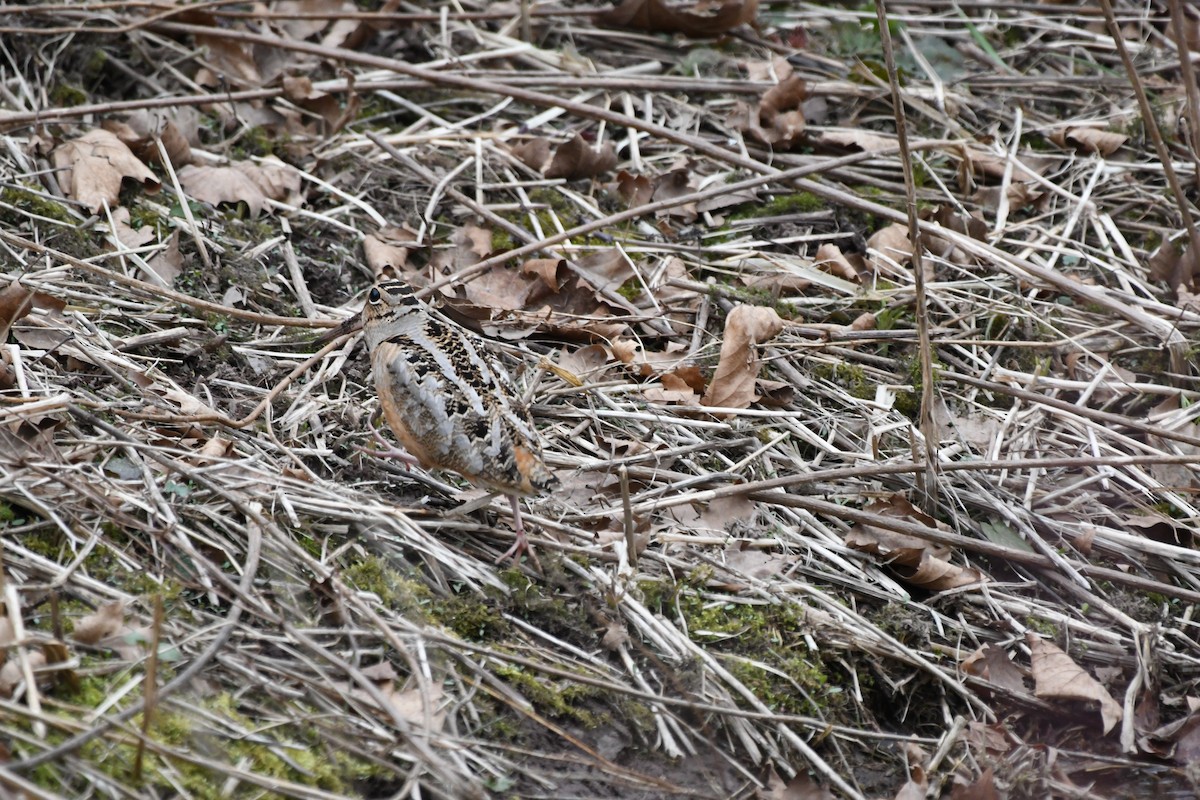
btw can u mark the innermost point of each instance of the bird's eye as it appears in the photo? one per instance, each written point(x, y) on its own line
point(374, 296)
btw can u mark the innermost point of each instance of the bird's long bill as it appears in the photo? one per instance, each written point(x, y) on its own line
point(350, 325)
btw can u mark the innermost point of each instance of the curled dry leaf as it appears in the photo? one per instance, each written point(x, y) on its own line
point(746, 327)
point(1057, 677)
point(576, 159)
point(168, 262)
point(690, 19)
point(587, 363)
point(546, 269)
point(91, 168)
point(779, 120)
point(11, 674)
point(242, 182)
point(1177, 266)
point(1088, 139)
point(15, 302)
point(916, 560)
point(140, 132)
point(889, 245)
point(533, 153)
point(387, 251)
point(298, 89)
point(830, 259)
point(993, 664)
point(101, 623)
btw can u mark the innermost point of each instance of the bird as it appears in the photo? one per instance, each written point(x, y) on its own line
point(449, 401)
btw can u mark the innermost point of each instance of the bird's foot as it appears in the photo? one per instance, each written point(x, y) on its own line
point(521, 545)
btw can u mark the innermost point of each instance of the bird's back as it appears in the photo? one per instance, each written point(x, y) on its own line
point(450, 402)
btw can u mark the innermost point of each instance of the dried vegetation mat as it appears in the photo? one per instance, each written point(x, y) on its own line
point(840, 516)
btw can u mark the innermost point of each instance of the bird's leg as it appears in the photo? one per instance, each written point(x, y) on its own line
point(521, 545)
point(389, 450)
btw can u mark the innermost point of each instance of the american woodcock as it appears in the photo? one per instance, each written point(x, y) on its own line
point(449, 401)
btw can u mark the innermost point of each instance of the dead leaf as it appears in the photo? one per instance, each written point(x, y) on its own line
point(1057, 677)
point(778, 120)
point(801, 787)
point(101, 623)
point(890, 245)
point(984, 788)
point(15, 302)
point(242, 182)
point(829, 258)
point(691, 19)
point(615, 635)
point(1175, 265)
point(746, 327)
point(916, 560)
point(131, 238)
point(993, 664)
point(661, 394)
point(576, 159)
point(587, 363)
point(533, 153)
point(411, 705)
point(501, 288)
point(606, 270)
point(47, 330)
point(853, 139)
point(387, 250)
point(140, 131)
point(298, 89)
point(168, 262)
point(1088, 139)
point(686, 376)
point(546, 269)
point(12, 673)
point(91, 168)
point(233, 61)
point(635, 190)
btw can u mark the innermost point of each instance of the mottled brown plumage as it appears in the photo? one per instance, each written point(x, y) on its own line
point(448, 400)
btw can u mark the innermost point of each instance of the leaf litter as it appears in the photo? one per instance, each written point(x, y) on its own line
point(750, 531)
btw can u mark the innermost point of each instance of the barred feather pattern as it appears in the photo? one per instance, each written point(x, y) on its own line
point(448, 399)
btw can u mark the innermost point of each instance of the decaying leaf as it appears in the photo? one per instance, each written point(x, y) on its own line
point(917, 561)
point(387, 251)
point(416, 707)
point(1175, 265)
point(854, 139)
point(101, 623)
point(746, 327)
point(1089, 139)
point(140, 132)
point(887, 246)
point(91, 168)
point(829, 258)
point(1057, 677)
point(993, 664)
point(577, 159)
point(587, 363)
point(546, 269)
point(15, 302)
point(242, 182)
point(533, 153)
point(690, 19)
point(168, 262)
point(778, 120)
